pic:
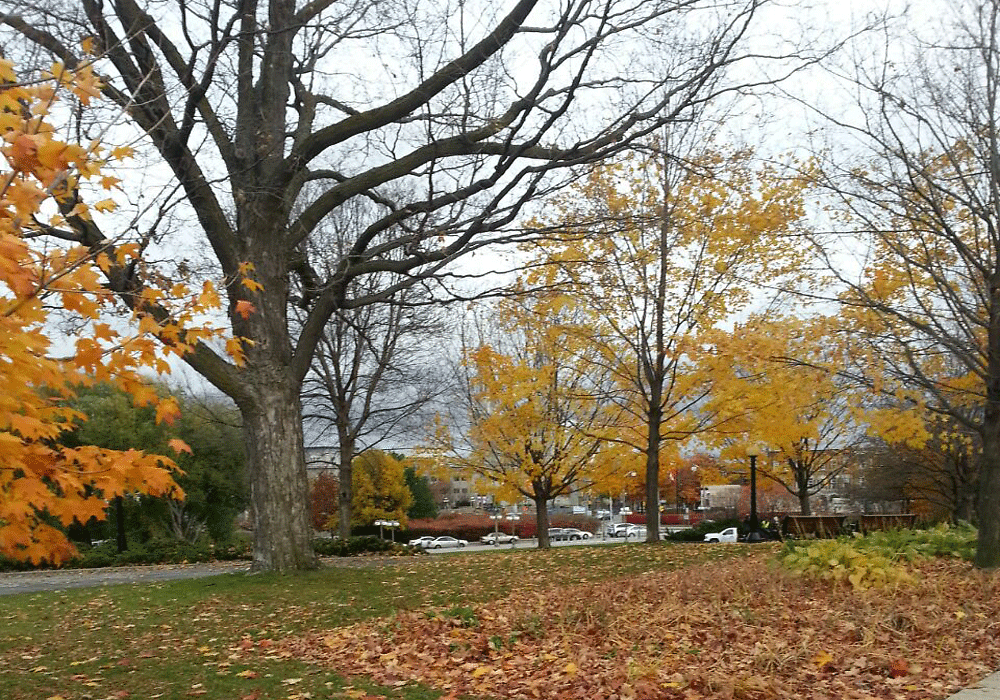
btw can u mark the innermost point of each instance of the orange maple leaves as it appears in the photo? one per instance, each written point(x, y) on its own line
point(43, 484)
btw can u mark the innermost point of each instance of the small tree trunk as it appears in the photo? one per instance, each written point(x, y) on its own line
point(653, 440)
point(542, 521)
point(805, 506)
point(346, 488)
point(801, 472)
point(279, 498)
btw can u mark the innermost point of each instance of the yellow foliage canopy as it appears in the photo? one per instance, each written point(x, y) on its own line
point(43, 484)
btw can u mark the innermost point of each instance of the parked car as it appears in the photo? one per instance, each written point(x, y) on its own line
point(498, 538)
point(421, 541)
point(619, 529)
point(572, 533)
point(730, 534)
point(445, 541)
point(633, 532)
point(557, 533)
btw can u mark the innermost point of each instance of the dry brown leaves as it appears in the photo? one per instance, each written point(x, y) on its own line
point(732, 630)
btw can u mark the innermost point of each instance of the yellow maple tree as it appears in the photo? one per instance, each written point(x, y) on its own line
point(536, 428)
point(44, 485)
point(787, 397)
point(656, 250)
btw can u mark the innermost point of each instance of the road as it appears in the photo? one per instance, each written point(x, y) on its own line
point(63, 579)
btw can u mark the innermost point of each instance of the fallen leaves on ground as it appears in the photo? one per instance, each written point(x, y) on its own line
point(737, 630)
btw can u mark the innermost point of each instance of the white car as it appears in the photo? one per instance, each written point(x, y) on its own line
point(498, 538)
point(730, 534)
point(421, 541)
point(445, 541)
point(633, 532)
point(618, 529)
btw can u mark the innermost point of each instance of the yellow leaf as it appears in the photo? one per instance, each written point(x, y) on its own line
point(481, 671)
point(822, 658)
point(570, 669)
point(7, 73)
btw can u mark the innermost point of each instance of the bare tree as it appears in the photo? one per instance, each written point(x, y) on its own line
point(238, 105)
point(942, 472)
point(924, 294)
point(375, 368)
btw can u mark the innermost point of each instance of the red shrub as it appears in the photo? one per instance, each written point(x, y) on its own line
point(323, 500)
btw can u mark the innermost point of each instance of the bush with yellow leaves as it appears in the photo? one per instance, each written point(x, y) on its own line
point(839, 561)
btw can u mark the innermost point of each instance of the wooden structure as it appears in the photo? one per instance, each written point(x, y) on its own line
point(816, 526)
point(895, 521)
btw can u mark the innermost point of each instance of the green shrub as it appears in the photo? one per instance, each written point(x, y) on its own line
point(155, 551)
point(354, 546)
point(698, 532)
point(877, 558)
point(939, 541)
point(840, 561)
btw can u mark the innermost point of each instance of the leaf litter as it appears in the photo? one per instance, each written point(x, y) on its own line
point(731, 630)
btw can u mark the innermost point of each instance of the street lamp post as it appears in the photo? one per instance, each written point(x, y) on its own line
point(754, 535)
point(496, 528)
point(513, 518)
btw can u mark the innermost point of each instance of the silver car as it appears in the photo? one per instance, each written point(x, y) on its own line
point(498, 538)
point(445, 541)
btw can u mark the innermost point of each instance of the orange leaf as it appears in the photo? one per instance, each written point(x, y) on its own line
point(167, 411)
point(178, 446)
point(24, 153)
point(899, 667)
point(245, 308)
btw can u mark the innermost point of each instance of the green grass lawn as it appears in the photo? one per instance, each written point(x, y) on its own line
point(175, 640)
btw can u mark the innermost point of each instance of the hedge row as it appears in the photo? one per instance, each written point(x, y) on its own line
point(176, 552)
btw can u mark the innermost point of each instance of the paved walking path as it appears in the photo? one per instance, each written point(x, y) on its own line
point(986, 689)
point(61, 579)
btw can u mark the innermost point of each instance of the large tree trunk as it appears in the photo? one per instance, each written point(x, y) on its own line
point(988, 501)
point(279, 503)
point(988, 497)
